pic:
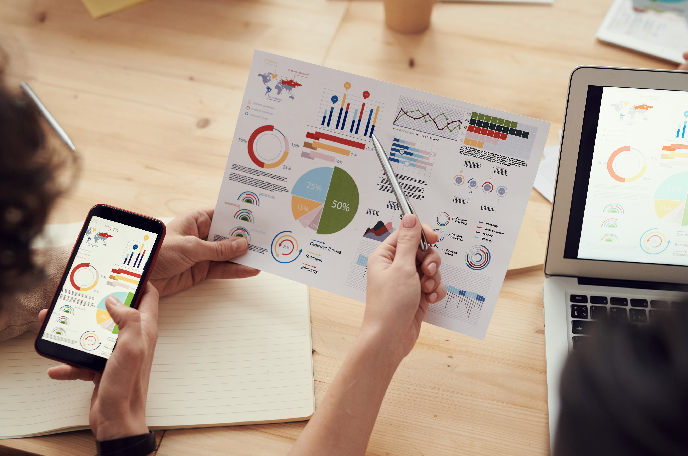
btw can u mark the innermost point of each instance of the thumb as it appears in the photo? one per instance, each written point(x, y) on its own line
point(224, 250)
point(408, 240)
point(121, 314)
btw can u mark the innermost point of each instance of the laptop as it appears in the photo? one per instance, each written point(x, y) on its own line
point(618, 242)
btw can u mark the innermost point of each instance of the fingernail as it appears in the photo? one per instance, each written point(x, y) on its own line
point(409, 221)
point(113, 301)
point(432, 298)
point(430, 284)
point(240, 244)
point(432, 268)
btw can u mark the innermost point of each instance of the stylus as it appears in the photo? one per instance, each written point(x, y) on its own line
point(406, 207)
point(49, 117)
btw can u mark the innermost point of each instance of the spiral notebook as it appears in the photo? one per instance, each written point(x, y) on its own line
point(229, 352)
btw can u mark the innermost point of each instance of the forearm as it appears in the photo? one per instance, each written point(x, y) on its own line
point(344, 420)
point(19, 312)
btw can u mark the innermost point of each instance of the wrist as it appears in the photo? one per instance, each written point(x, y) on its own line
point(117, 429)
point(374, 342)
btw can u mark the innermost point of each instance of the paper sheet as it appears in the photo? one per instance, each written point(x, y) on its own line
point(228, 352)
point(100, 8)
point(304, 185)
point(660, 34)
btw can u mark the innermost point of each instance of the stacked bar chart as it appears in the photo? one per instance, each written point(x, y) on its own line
point(329, 143)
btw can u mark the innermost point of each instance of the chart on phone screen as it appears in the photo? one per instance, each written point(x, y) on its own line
point(304, 186)
point(109, 262)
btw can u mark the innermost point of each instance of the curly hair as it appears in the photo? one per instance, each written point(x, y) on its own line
point(29, 186)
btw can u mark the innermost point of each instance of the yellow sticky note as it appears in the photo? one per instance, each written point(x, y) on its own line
point(100, 8)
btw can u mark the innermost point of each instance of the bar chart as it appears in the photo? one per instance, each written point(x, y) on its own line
point(411, 156)
point(348, 113)
point(328, 143)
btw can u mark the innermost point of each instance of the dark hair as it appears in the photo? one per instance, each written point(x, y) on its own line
point(29, 185)
point(626, 392)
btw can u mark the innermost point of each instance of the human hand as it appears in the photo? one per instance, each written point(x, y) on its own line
point(186, 257)
point(402, 282)
point(684, 66)
point(118, 404)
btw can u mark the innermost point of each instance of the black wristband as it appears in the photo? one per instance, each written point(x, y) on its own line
point(137, 445)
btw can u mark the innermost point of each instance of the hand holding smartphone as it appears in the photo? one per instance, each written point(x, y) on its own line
point(113, 256)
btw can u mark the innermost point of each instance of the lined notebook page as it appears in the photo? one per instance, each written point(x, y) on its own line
point(31, 403)
point(229, 352)
point(233, 351)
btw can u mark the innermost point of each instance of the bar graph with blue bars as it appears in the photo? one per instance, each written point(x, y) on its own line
point(467, 294)
point(335, 115)
point(408, 154)
point(681, 133)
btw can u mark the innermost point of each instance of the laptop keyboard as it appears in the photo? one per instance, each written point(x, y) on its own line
point(588, 311)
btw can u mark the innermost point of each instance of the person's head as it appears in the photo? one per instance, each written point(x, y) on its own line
point(626, 393)
point(28, 186)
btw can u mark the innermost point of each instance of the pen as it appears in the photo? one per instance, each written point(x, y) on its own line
point(49, 117)
point(404, 203)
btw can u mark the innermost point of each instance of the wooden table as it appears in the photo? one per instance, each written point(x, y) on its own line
point(151, 95)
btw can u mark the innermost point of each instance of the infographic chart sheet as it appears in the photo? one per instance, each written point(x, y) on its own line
point(304, 186)
point(636, 204)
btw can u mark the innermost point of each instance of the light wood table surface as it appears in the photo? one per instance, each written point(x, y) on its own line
point(151, 95)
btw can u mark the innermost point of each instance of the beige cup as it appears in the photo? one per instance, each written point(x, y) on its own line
point(408, 16)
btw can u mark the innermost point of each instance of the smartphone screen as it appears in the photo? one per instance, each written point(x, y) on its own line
point(110, 260)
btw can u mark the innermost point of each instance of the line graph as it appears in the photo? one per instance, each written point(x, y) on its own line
point(429, 118)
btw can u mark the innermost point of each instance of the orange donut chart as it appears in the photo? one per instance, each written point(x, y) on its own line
point(610, 165)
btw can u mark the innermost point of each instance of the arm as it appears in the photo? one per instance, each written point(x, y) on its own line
point(402, 282)
point(118, 405)
point(19, 310)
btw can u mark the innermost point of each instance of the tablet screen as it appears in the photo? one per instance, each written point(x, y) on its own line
point(630, 193)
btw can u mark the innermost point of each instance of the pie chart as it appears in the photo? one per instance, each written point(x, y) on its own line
point(103, 317)
point(324, 200)
point(670, 199)
point(268, 147)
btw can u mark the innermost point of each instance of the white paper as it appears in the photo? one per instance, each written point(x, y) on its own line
point(546, 178)
point(228, 352)
point(660, 34)
point(306, 194)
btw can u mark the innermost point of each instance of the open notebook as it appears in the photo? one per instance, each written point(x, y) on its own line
point(229, 352)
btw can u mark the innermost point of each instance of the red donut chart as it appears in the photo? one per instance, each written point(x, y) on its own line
point(265, 132)
point(76, 282)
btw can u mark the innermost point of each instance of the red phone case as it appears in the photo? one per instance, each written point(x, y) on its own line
point(134, 305)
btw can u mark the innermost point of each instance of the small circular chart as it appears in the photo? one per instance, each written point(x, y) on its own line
point(653, 242)
point(478, 257)
point(671, 198)
point(89, 341)
point(488, 187)
point(84, 277)
point(268, 147)
point(324, 200)
point(501, 191)
point(459, 180)
point(285, 247)
point(626, 164)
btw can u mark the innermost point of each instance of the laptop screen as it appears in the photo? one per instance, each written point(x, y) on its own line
point(630, 194)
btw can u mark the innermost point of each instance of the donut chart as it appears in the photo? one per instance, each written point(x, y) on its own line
point(84, 277)
point(626, 164)
point(654, 242)
point(478, 257)
point(268, 147)
point(89, 341)
point(285, 247)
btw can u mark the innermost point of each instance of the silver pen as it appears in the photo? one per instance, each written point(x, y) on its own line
point(49, 117)
point(403, 201)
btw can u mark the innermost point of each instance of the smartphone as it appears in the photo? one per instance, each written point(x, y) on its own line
point(113, 256)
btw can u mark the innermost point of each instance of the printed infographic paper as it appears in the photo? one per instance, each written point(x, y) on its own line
point(304, 186)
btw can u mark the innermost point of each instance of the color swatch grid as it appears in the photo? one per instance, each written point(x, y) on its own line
point(500, 136)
